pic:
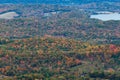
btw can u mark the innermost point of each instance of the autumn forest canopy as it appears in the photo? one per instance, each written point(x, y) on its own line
point(51, 41)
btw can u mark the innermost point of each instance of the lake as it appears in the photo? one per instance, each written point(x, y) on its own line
point(106, 16)
point(8, 15)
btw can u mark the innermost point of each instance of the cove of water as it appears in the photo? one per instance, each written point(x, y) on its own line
point(8, 15)
point(106, 16)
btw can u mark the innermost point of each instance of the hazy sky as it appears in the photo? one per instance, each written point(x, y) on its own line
point(53, 1)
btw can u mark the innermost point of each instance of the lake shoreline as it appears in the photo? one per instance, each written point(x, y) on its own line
point(9, 15)
point(106, 16)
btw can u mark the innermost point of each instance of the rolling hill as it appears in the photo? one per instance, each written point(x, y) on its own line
point(51, 58)
point(59, 42)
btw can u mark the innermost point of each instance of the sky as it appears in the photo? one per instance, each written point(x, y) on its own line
point(53, 1)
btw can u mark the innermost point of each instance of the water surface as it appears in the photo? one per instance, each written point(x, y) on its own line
point(106, 17)
point(8, 15)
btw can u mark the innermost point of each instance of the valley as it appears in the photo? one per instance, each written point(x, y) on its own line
point(59, 41)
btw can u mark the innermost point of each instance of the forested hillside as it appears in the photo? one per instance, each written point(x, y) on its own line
point(58, 58)
point(59, 42)
point(69, 22)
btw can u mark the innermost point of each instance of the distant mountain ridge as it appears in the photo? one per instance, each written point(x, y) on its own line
point(55, 1)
